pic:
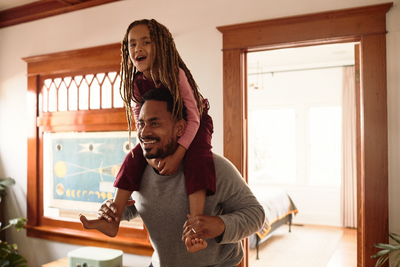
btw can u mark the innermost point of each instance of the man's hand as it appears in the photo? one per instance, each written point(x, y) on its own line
point(108, 210)
point(203, 226)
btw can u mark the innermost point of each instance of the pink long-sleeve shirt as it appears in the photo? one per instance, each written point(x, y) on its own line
point(189, 100)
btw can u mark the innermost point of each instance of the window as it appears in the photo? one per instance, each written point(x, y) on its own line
point(75, 110)
point(272, 146)
point(325, 145)
point(276, 152)
point(92, 91)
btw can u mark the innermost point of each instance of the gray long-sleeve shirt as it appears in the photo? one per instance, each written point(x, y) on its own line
point(163, 204)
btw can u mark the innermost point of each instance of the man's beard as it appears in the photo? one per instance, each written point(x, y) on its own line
point(167, 150)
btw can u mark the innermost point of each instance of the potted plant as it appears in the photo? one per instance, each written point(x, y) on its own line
point(9, 255)
point(387, 250)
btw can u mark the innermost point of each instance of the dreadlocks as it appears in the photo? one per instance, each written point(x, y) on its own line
point(167, 61)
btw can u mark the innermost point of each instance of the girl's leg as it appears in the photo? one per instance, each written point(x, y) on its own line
point(131, 171)
point(109, 228)
point(198, 164)
point(199, 172)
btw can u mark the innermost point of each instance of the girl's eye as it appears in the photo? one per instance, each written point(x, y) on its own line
point(132, 45)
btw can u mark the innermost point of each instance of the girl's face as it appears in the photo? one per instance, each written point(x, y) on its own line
point(140, 49)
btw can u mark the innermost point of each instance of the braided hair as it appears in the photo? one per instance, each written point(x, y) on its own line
point(167, 61)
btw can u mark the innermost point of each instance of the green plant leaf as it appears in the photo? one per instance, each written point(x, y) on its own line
point(395, 237)
point(396, 259)
point(382, 260)
point(380, 253)
point(386, 246)
point(9, 256)
point(4, 263)
point(6, 182)
point(18, 222)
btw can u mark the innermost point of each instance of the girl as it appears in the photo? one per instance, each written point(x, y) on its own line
point(150, 59)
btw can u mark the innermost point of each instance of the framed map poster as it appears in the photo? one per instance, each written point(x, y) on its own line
point(80, 169)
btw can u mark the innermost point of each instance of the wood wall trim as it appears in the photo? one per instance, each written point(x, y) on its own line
point(76, 61)
point(366, 25)
point(43, 9)
point(374, 144)
point(345, 23)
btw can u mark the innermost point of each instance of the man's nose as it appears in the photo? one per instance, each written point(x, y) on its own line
point(144, 131)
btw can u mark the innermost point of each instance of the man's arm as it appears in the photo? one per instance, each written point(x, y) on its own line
point(242, 214)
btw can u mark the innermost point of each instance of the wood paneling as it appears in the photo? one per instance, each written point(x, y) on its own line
point(366, 25)
point(43, 9)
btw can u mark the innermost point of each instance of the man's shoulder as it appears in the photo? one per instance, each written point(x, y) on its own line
point(221, 162)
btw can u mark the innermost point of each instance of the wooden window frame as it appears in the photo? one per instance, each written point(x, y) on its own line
point(366, 25)
point(100, 59)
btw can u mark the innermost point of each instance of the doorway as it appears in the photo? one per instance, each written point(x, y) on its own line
point(294, 101)
point(366, 25)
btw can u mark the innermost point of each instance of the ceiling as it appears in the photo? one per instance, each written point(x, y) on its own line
point(309, 57)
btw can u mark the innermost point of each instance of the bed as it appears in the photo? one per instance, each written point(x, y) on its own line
point(279, 210)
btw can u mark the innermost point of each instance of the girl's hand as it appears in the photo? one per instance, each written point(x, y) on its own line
point(170, 165)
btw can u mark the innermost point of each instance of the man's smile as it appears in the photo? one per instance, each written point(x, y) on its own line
point(148, 142)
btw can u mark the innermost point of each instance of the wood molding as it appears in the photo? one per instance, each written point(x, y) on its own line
point(76, 61)
point(43, 9)
point(366, 25)
point(345, 23)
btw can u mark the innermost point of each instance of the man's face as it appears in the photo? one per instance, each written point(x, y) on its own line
point(157, 131)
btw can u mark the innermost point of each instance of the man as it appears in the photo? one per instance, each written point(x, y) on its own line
point(162, 202)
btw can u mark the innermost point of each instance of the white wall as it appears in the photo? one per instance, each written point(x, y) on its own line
point(193, 23)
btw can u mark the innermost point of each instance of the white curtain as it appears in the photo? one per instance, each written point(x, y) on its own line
point(349, 152)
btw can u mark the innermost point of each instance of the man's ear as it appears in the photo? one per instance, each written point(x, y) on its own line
point(180, 127)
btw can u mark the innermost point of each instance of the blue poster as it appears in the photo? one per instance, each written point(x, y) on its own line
point(84, 167)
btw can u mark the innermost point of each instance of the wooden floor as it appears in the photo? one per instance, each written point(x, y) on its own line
point(344, 255)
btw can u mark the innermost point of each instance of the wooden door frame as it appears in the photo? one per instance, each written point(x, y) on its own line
point(366, 25)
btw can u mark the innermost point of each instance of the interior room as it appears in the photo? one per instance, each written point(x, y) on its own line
point(39, 49)
point(298, 95)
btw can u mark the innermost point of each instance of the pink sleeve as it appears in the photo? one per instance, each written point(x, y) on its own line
point(193, 118)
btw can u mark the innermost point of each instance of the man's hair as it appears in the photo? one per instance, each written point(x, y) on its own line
point(167, 60)
point(162, 95)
